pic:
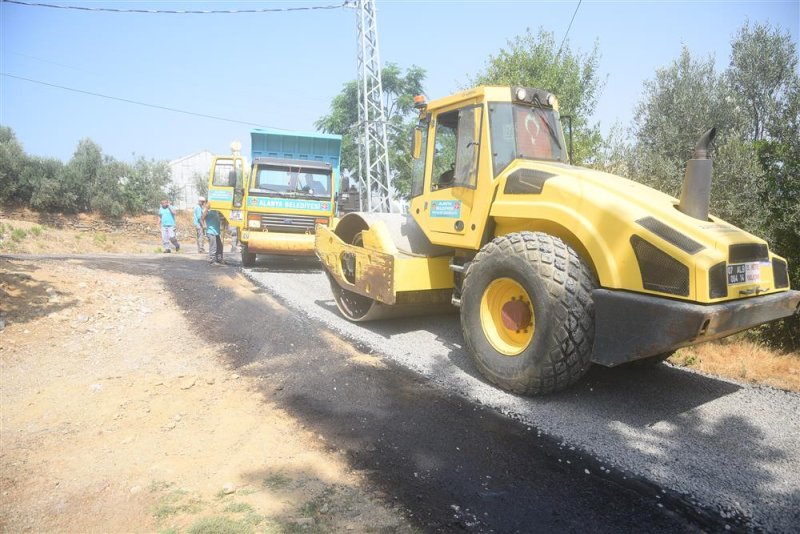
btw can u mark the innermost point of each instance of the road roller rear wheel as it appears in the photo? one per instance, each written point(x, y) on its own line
point(527, 313)
point(353, 306)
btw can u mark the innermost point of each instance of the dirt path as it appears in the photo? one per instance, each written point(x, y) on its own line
point(117, 417)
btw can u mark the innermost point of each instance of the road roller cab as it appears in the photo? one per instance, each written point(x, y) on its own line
point(553, 266)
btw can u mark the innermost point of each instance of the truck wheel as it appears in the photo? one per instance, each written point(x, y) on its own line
point(527, 313)
point(248, 258)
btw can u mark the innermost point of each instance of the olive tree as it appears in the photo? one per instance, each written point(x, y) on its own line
point(534, 60)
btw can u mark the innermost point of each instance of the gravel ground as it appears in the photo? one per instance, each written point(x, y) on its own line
point(728, 446)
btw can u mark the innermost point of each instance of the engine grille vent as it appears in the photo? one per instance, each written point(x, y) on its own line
point(780, 273)
point(670, 235)
point(660, 272)
point(748, 252)
point(290, 224)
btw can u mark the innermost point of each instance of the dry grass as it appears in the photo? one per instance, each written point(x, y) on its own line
point(743, 360)
point(31, 237)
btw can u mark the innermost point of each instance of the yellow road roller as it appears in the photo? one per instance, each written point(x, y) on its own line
point(554, 267)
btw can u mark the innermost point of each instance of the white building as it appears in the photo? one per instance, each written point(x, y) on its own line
point(184, 170)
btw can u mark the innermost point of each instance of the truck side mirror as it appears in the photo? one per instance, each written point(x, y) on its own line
point(416, 143)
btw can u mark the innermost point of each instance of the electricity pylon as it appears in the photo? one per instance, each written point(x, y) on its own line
point(373, 154)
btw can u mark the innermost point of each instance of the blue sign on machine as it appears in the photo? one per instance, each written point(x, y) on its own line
point(220, 194)
point(289, 204)
point(446, 209)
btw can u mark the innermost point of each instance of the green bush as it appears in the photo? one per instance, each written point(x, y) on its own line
point(18, 234)
point(89, 182)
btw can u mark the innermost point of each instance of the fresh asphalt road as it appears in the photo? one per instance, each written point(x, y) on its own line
point(731, 449)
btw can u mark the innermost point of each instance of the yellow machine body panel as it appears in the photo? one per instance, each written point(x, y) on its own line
point(226, 188)
point(264, 224)
point(377, 269)
point(598, 214)
point(279, 243)
point(465, 193)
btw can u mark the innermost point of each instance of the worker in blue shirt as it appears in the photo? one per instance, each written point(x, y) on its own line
point(198, 225)
point(167, 215)
point(211, 223)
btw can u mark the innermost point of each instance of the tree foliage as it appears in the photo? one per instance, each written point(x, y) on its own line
point(533, 60)
point(12, 161)
point(398, 91)
point(89, 182)
point(678, 105)
point(200, 181)
point(763, 76)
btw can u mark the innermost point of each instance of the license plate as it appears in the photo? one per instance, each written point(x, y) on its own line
point(744, 273)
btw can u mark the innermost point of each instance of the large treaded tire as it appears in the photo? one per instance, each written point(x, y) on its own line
point(559, 285)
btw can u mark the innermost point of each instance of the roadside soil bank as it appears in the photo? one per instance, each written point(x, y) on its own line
point(27, 232)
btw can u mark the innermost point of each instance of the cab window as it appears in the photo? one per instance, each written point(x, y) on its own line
point(418, 165)
point(455, 156)
point(224, 174)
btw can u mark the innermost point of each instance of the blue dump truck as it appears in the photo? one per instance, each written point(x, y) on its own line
point(290, 188)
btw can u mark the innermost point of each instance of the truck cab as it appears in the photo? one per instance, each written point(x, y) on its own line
point(289, 189)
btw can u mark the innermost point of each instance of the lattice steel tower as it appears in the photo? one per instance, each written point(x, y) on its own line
point(373, 154)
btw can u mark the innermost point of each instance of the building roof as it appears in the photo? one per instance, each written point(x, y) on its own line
point(190, 156)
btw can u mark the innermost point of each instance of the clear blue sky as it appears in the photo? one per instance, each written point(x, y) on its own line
point(282, 69)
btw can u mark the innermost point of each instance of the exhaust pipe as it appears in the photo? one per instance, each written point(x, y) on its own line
point(696, 189)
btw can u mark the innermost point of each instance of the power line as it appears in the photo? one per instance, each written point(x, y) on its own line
point(166, 108)
point(568, 28)
point(179, 11)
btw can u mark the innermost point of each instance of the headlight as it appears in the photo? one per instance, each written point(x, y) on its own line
point(254, 223)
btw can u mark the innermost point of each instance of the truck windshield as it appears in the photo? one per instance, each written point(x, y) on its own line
point(525, 132)
point(292, 181)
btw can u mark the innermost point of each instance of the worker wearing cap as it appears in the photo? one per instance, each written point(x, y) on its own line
point(198, 224)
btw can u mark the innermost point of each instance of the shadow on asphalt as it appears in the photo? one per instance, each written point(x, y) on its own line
point(452, 463)
point(661, 391)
